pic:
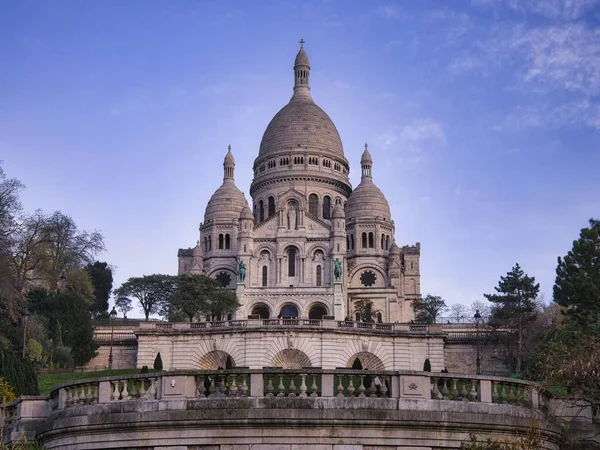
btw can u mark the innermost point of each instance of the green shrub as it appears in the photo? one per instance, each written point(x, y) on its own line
point(144, 369)
point(18, 373)
point(158, 365)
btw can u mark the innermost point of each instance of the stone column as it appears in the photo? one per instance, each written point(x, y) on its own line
point(339, 305)
point(239, 292)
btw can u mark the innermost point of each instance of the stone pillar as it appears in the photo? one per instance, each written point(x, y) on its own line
point(239, 292)
point(256, 385)
point(327, 385)
point(339, 305)
point(485, 391)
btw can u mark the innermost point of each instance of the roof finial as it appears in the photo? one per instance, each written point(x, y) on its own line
point(366, 146)
point(302, 41)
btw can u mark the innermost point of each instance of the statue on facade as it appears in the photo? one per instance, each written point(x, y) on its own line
point(292, 218)
point(337, 269)
point(242, 270)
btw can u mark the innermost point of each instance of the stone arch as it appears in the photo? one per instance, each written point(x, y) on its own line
point(314, 248)
point(368, 361)
point(291, 358)
point(286, 309)
point(317, 310)
point(284, 198)
point(261, 308)
point(216, 359)
point(411, 286)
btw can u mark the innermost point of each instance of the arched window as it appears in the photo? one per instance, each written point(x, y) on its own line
point(379, 317)
point(317, 311)
point(364, 240)
point(209, 243)
point(261, 310)
point(327, 207)
point(227, 241)
point(292, 262)
point(371, 243)
point(313, 204)
point(319, 275)
point(220, 242)
point(383, 242)
point(347, 242)
point(205, 244)
point(271, 206)
point(261, 211)
point(411, 264)
point(265, 274)
point(387, 242)
point(289, 311)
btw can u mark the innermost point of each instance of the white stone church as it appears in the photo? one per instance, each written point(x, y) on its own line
point(280, 255)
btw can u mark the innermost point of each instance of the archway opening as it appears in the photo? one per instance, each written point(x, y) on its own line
point(262, 310)
point(288, 311)
point(317, 311)
point(357, 365)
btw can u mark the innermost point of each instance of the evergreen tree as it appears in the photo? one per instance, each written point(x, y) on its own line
point(19, 373)
point(102, 280)
point(577, 285)
point(515, 305)
point(158, 365)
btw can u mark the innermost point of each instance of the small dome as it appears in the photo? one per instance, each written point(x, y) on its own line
point(246, 213)
point(394, 249)
point(226, 203)
point(301, 58)
point(229, 157)
point(366, 157)
point(338, 212)
point(367, 201)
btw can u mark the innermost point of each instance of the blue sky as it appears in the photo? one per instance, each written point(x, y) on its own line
point(482, 116)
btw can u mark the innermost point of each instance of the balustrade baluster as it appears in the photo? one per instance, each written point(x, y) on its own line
point(233, 388)
point(96, 393)
point(351, 388)
point(464, 395)
point(75, 398)
point(435, 393)
point(383, 388)
point(303, 385)
point(134, 391)
point(244, 387)
point(454, 388)
point(116, 394)
point(292, 392)
point(89, 397)
point(313, 387)
point(373, 388)
point(143, 388)
point(125, 392)
point(151, 392)
point(270, 387)
point(281, 387)
point(69, 397)
point(473, 393)
point(511, 393)
point(504, 393)
point(211, 388)
point(340, 386)
point(495, 395)
point(361, 388)
point(445, 390)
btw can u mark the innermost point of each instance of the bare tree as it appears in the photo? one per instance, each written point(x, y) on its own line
point(458, 312)
point(484, 310)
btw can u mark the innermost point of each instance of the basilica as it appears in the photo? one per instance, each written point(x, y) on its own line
point(310, 246)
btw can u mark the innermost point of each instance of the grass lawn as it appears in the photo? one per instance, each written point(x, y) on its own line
point(47, 380)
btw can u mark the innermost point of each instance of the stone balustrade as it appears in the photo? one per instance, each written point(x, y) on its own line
point(273, 400)
point(282, 322)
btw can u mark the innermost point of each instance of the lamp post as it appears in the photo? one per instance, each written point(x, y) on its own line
point(477, 318)
point(25, 319)
point(113, 316)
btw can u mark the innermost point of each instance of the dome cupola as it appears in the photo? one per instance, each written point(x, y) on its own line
point(301, 140)
point(367, 200)
point(228, 201)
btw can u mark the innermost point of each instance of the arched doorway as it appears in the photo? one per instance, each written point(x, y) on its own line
point(262, 310)
point(288, 311)
point(291, 358)
point(365, 361)
point(317, 311)
point(216, 360)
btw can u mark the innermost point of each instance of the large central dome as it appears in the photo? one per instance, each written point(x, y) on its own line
point(301, 123)
point(301, 140)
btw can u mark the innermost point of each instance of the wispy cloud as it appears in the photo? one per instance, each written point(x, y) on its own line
point(411, 142)
point(555, 9)
point(390, 11)
point(393, 43)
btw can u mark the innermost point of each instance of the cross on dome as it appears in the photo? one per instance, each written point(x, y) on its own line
point(302, 41)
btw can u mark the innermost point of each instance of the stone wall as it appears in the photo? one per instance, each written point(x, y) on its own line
point(124, 356)
point(461, 356)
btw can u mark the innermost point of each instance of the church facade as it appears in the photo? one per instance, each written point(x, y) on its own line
point(310, 246)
